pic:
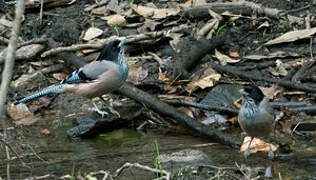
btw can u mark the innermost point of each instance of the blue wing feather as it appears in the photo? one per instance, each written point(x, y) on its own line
point(76, 77)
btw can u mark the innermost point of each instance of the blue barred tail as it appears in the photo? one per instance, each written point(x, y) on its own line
point(41, 93)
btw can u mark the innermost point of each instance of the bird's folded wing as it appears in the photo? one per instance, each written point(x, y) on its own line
point(88, 73)
point(268, 109)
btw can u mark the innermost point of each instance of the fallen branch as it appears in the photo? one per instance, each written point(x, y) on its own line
point(288, 104)
point(167, 110)
point(256, 75)
point(200, 105)
point(77, 47)
point(296, 106)
point(191, 52)
point(307, 109)
point(242, 7)
point(26, 50)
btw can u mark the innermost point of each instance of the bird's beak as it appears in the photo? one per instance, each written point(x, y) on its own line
point(122, 41)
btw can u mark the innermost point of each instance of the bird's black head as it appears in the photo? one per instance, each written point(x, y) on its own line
point(254, 93)
point(111, 51)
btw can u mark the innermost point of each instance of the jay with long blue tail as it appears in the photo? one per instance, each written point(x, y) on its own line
point(99, 77)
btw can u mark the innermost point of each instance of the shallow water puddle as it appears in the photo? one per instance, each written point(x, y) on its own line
point(111, 150)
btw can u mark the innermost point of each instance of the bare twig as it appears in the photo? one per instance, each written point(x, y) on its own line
point(33, 41)
point(296, 10)
point(256, 75)
point(33, 151)
point(106, 174)
point(101, 3)
point(11, 148)
point(41, 177)
point(75, 48)
point(200, 105)
point(137, 165)
point(8, 69)
point(100, 43)
point(41, 11)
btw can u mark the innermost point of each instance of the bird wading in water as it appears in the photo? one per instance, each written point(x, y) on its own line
point(256, 116)
point(94, 79)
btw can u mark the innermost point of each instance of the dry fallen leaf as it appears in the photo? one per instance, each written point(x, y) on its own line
point(162, 77)
point(92, 33)
point(45, 131)
point(223, 59)
point(279, 70)
point(234, 54)
point(233, 120)
point(117, 20)
point(149, 12)
point(136, 73)
point(287, 126)
point(21, 114)
point(170, 88)
point(270, 92)
point(237, 103)
point(100, 11)
point(26, 79)
point(186, 110)
point(174, 43)
point(148, 24)
point(208, 79)
point(60, 76)
point(292, 36)
point(256, 145)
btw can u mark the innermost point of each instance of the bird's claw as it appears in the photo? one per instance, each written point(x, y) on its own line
point(113, 111)
point(246, 153)
point(102, 113)
point(270, 153)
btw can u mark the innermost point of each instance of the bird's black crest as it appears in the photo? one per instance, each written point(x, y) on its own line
point(110, 51)
point(254, 92)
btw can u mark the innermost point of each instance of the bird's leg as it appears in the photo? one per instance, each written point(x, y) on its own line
point(247, 152)
point(110, 107)
point(97, 110)
point(270, 153)
point(113, 111)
